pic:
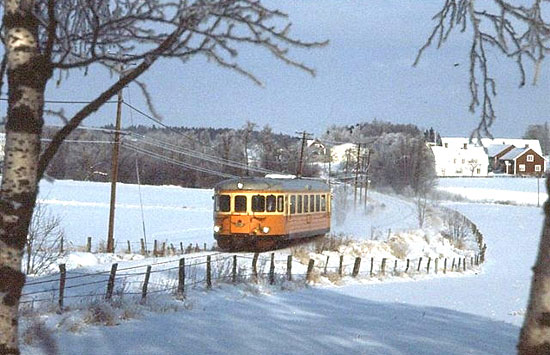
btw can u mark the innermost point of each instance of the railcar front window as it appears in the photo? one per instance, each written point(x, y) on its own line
point(240, 203)
point(271, 203)
point(223, 203)
point(258, 203)
point(293, 204)
point(323, 203)
point(280, 204)
point(299, 203)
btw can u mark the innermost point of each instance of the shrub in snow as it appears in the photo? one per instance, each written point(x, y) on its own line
point(39, 335)
point(100, 313)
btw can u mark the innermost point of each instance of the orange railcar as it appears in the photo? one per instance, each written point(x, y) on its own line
point(259, 213)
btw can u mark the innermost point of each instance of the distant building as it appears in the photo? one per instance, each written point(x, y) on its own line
point(522, 161)
point(458, 157)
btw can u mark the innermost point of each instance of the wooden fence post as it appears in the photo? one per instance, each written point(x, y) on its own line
point(62, 277)
point(436, 261)
point(155, 248)
point(272, 270)
point(395, 267)
point(383, 266)
point(453, 266)
point(459, 264)
point(163, 248)
point(89, 245)
point(408, 263)
point(371, 266)
point(208, 272)
point(356, 267)
point(129, 248)
point(142, 243)
point(326, 264)
point(181, 278)
point(464, 264)
point(254, 266)
point(61, 250)
point(111, 282)
point(310, 269)
point(445, 266)
point(341, 267)
point(289, 268)
point(181, 248)
point(234, 271)
point(204, 246)
point(428, 267)
point(145, 283)
point(419, 263)
point(471, 261)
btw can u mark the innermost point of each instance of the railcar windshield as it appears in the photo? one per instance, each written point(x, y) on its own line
point(240, 203)
point(222, 203)
point(258, 203)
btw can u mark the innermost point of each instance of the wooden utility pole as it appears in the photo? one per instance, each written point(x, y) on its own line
point(357, 165)
point(114, 176)
point(366, 166)
point(300, 163)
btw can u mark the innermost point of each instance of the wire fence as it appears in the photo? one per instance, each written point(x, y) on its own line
point(177, 276)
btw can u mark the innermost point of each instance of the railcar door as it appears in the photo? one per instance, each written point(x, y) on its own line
point(240, 220)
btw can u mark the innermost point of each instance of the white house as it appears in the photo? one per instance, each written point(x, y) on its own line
point(459, 158)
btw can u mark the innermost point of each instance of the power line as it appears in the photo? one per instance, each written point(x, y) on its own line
point(174, 161)
point(198, 155)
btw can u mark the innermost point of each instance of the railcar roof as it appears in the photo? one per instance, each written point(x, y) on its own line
point(253, 183)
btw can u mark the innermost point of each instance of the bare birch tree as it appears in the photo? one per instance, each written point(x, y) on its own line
point(521, 33)
point(46, 37)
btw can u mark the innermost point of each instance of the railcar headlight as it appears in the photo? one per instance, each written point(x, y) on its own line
point(217, 229)
point(265, 230)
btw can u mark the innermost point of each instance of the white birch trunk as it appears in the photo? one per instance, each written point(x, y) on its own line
point(27, 76)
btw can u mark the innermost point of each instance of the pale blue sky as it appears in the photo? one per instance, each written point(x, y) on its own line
point(365, 73)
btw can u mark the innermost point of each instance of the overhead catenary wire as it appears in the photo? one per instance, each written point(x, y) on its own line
point(174, 161)
point(196, 154)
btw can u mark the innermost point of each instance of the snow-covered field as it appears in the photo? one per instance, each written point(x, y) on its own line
point(521, 191)
point(476, 313)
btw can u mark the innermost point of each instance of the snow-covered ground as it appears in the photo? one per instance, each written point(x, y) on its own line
point(521, 191)
point(176, 214)
point(474, 314)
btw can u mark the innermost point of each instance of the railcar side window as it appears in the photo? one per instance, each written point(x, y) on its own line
point(293, 204)
point(271, 203)
point(280, 203)
point(312, 203)
point(258, 203)
point(222, 203)
point(306, 204)
point(299, 203)
point(317, 203)
point(240, 203)
point(323, 203)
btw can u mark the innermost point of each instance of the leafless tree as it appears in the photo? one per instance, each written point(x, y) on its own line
point(473, 164)
point(43, 37)
point(43, 246)
point(520, 32)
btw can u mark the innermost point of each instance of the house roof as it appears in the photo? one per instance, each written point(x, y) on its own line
point(514, 153)
point(495, 149)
